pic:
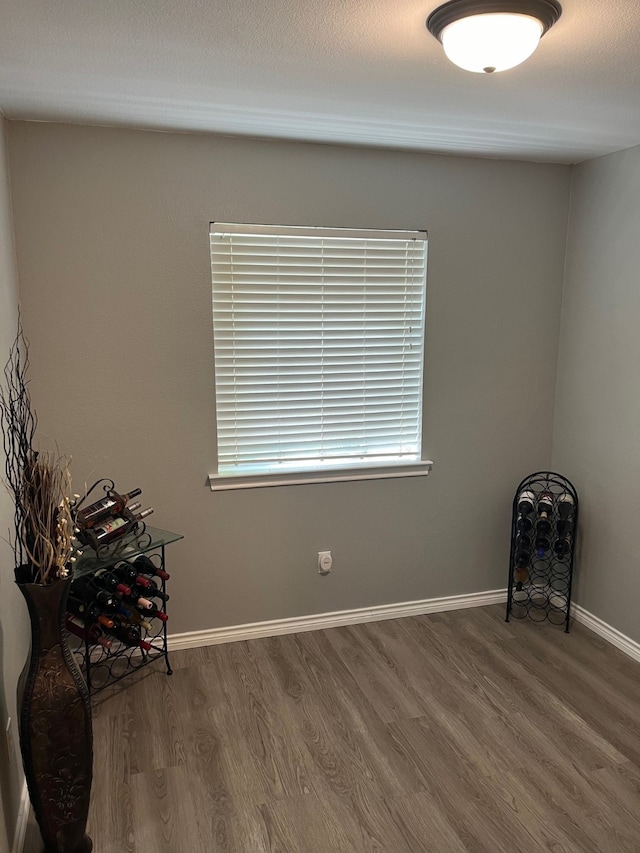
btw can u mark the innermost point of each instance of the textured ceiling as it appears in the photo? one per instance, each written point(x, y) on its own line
point(338, 71)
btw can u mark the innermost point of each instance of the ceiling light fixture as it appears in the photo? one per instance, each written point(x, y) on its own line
point(491, 35)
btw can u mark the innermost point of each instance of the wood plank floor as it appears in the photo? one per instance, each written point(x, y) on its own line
point(444, 733)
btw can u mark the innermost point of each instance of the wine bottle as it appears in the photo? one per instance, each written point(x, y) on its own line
point(561, 547)
point(152, 591)
point(111, 504)
point(88, 590)
point(521, 576)
point(566, 505)
point(138, 619)
point(93, 634)
point(129, 635)
point(545, 504)
point(564, 526)
point(156, 613)
point(543, 525)
point(107, 580)
point(524, 524)
point(522, 559)
point(523, 542)
point(112, 528)
point(147, 567)
point(130, 574)
point(88, 611)
point(542, 545)
point(525, 503)
point(136, 599)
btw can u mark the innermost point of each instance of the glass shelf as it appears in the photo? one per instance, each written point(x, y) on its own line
point(127, 548)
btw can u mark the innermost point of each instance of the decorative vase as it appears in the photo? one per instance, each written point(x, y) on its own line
point(55, 722)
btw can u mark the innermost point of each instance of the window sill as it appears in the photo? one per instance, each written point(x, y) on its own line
point(223, 484)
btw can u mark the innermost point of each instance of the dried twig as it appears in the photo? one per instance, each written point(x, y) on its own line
point(39, 483)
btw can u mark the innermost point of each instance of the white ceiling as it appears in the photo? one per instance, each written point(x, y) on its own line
point(339, 71)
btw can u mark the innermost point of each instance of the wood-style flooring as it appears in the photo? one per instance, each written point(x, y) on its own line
point(444, 733)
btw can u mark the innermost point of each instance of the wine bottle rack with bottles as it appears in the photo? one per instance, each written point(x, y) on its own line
point(104, 523)
point(543, 535)
point(117, 610)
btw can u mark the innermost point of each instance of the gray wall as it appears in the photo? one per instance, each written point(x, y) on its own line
point(112, 241)
point(597, 421)
point(13, 611)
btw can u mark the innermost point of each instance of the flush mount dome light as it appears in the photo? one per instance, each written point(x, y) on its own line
point(485, 36)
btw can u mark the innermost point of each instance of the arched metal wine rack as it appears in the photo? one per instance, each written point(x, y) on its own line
point(542, 549)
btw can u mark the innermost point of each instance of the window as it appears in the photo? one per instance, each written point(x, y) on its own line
point(318, 338)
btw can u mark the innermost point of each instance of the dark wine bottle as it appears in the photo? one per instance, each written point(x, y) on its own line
point(524, 524)
point(106, 603)
point(543, 523)
point(129, 635)
point(545, 503)
point(91, 634)
point(156, 613)
point(152, 591)
point(88, 611)
point(564, 527)
point(88, 590)
point(525, 502)
point(130, 574)
point(566, 505)
point(110, 505)
point(523, 542)
point(543, 526)
point(542, 545)
point(106, 579)
point(562, 547)
point(146, 566)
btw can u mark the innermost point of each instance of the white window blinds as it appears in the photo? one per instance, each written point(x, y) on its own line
point(318, 339)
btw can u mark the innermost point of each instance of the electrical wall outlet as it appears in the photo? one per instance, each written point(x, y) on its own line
point(8, 731)
point(325, 562)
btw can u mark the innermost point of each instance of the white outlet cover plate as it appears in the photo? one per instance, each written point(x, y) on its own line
point(325, 561)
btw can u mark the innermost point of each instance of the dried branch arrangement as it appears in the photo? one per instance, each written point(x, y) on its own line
point(39, 483)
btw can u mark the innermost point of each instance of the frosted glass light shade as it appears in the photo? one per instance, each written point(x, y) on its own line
point(491, 42)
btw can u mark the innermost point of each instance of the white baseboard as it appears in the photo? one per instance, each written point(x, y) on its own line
point(607, 632)
point(319, 621)
point(22, 820)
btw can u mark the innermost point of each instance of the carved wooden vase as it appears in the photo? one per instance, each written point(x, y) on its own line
point(55, 722)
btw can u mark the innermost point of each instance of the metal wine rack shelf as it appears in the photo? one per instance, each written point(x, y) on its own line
point(542, 550)
point(103, 667)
